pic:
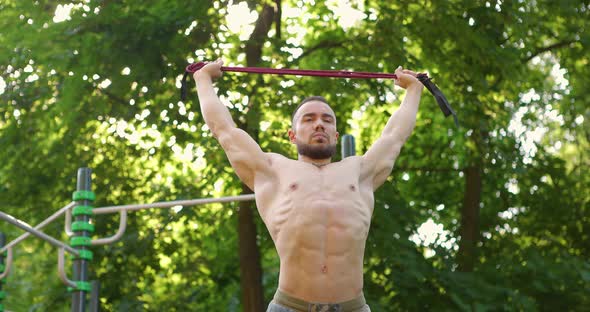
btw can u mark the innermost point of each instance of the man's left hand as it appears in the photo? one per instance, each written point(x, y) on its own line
point(407, 78)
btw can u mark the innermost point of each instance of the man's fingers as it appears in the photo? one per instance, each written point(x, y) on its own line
point(405, 77)
point(410, 72)
point(398, 71)
point(401, 70)
point(211, 69)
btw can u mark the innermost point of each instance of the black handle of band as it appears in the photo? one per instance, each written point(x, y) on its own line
point(440, 98)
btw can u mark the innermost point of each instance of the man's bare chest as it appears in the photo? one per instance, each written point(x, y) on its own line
point(339, 178)
point(303, 189)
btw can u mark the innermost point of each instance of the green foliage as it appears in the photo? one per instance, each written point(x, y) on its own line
point(496, 61)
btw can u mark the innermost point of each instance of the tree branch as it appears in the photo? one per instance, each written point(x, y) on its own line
point(278, 16)
point(259, 35)
point(112, 96)
point(556, 45)
point(321, 45)
point(426, 169)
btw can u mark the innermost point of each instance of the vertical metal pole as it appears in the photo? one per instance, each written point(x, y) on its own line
point(2, 293)
point(348, 148)
point(94, 297)
point(81, 239)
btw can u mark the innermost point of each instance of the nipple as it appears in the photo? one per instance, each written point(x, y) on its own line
point(293, 186)
point(324, 269)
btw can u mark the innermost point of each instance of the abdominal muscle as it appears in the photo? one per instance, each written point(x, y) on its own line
point(319, 230)
point(320, 260)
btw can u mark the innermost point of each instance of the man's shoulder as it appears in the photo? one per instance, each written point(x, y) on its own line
point(277, 156)
point(355, 158)
point(275, 160)
point(351, 161)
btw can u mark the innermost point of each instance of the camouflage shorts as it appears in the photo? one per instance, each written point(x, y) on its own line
point(285, 303)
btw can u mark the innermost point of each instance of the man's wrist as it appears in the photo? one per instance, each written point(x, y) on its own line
point(415, 87)
point(201, 77)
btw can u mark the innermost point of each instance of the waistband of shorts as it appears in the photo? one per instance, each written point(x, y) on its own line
point(302, 305)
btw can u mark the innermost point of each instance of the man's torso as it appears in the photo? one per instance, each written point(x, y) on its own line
point(319, 218)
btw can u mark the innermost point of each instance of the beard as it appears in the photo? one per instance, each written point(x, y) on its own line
point(316, 152)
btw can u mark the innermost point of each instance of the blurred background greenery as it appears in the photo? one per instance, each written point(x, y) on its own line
point(491, 216)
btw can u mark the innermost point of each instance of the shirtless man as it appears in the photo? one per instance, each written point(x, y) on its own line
point(317, 212)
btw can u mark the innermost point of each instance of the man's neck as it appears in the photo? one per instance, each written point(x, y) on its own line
point(316, 162)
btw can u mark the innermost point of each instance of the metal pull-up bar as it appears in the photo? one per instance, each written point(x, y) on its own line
point(174, 203)
point(123, 209)
point(22, 225)
point(39, 226)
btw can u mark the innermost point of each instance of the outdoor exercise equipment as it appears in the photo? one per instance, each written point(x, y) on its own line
point(442, 101)
point(79, 227)
point(3, 269)
point(80, 211)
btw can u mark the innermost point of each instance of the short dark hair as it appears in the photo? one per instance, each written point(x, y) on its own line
point(309, 99)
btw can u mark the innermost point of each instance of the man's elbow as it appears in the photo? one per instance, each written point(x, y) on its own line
point(381, 176)
point(394, 143)
point(399, 134)
point(219, 130)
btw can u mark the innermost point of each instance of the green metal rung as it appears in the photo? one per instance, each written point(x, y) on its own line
point(1, 307)
point(2, 295)
point(82, 210)
point(82, 226)
point(83, 254)
point(2, 268)
point(81, 286)
point(81, 195)
point(80, 241)
point(84, 286)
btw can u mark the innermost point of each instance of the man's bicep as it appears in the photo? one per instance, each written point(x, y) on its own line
point(244, 154)
point(379, 159)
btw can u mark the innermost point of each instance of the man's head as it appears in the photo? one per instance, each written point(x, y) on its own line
point(313, 128)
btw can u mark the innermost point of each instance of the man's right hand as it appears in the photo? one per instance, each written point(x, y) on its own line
point(212, 70)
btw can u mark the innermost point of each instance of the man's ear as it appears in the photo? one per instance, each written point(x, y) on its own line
point(291, 134)
point(337, 135)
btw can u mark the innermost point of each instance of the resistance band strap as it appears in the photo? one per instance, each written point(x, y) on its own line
point(426, 81)
point(440, 98)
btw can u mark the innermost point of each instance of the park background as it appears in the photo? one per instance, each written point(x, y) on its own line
point(490, 216)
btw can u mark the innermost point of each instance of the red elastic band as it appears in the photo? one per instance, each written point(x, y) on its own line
point(299, 72)
point(422, 77)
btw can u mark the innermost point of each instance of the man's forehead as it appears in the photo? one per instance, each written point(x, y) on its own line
point(314, 107)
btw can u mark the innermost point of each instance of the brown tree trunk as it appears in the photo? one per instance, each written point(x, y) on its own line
point(470, 219)
point(250, 267)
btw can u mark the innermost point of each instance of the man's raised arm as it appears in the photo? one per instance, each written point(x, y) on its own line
point(379, 159)
point(243, 152)
point(216, 115)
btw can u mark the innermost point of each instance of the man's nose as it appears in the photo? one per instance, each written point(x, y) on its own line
point(319, 125)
